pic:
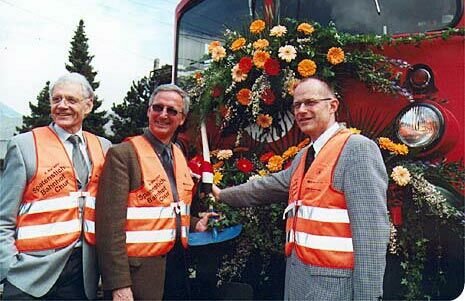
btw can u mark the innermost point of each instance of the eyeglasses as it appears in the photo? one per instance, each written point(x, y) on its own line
point(308, 103)
point(71, 100)
point(169, 110)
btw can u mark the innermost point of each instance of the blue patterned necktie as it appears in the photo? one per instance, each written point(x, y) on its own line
point(79, 162)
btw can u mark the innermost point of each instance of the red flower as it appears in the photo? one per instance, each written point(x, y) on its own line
point(195, 164)
point(244, 165)
point(245, 64)
point(268, 96)
point(272, 67)
point(266, 156)
point(217, 90)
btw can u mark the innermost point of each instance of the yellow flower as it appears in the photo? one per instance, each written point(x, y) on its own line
point(213, 45)
point(257, 26)
point(260, 57)
point(263, 172)
point(237, 44)
point(335, 55)
point(218, 53)
point(264, 120)
point(278, 31)
point(290, 152)
point(287, 53)
point(217, 177)
point(394, 148)
point(400, 175)
point(224, 154)
point(261, 44)
point(305, 28)
point(237, 74)
point(306, 67)
point(355, 130)
point(275, 163)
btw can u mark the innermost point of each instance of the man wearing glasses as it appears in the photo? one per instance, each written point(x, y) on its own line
point(337, 227)
point(47, 201)
point(143, 208)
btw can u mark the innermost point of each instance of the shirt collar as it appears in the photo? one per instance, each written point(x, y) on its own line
point(321, 141)
point(64, 135)
point(157, 144)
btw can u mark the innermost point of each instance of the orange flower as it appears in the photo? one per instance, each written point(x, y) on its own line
point(306, 67)
point(261, 44)
point(335, 55)
point(305, 28)
point(257, 26)
point(213, 45)
point(264, 120)
point(237, 44)
point(260, 57)
point(275, 163)
point(218, 165)
point(303, 143)
point(291, 85)
point(244, 96)
point(290, 152)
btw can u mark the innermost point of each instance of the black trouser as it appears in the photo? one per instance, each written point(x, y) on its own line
point(176, 276)
point(69, 286)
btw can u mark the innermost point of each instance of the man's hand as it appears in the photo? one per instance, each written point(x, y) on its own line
point(216, 192)
point(123, 294)
point(202, 224)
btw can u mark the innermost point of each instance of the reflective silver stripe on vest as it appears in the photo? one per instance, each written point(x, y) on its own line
point(49, 205)
point(45, 230)
point(149, 212)
point(328, 243)
point(89, 226)
point(150, 236)
point(184, 231)
point(323, 214)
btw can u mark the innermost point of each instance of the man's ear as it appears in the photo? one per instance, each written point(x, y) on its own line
point(334, 105)
point(89, 105)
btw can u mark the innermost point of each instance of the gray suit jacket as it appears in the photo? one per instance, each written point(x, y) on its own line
point(360, 173)
point(33, 272)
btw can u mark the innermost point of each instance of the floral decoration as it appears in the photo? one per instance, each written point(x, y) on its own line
point(258, 69)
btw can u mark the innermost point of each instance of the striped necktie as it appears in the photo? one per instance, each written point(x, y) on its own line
point(79, 162)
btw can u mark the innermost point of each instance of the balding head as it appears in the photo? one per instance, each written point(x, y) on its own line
point(315, 106)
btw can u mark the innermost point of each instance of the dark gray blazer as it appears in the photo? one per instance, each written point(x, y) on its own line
point(361, 174)
point(33, 272)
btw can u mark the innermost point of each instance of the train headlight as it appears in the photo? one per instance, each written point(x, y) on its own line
point(420, 125)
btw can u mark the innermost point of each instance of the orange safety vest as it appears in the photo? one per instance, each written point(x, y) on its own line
point(318, 224)
point(49, 212)
point(151, 209)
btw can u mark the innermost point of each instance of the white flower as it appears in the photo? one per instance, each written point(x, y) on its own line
point(237, 74)
point(278, 31)
point(218, 53)
point(253, 177)
point(224, 154)
point(287, 53)
point(400, 175)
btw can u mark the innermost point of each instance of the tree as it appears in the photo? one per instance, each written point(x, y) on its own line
point(40, 115)
point(130, 117)
point(80, 61)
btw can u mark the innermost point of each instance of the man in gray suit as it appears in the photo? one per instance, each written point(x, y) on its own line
point(47, 201)
point(337, 227)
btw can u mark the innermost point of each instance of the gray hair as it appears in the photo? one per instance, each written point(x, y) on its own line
point(74, 78)
point(174, 88)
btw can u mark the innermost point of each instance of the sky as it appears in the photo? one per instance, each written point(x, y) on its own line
point(125, 36)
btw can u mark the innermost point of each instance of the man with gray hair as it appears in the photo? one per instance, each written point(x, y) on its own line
point(47, 201)
point(143, 208)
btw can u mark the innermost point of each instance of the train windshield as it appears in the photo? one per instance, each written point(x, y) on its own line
point(204, 21)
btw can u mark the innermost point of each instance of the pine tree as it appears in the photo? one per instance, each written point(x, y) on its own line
point(130, 117)
point(80, 61)
point(40, 115)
